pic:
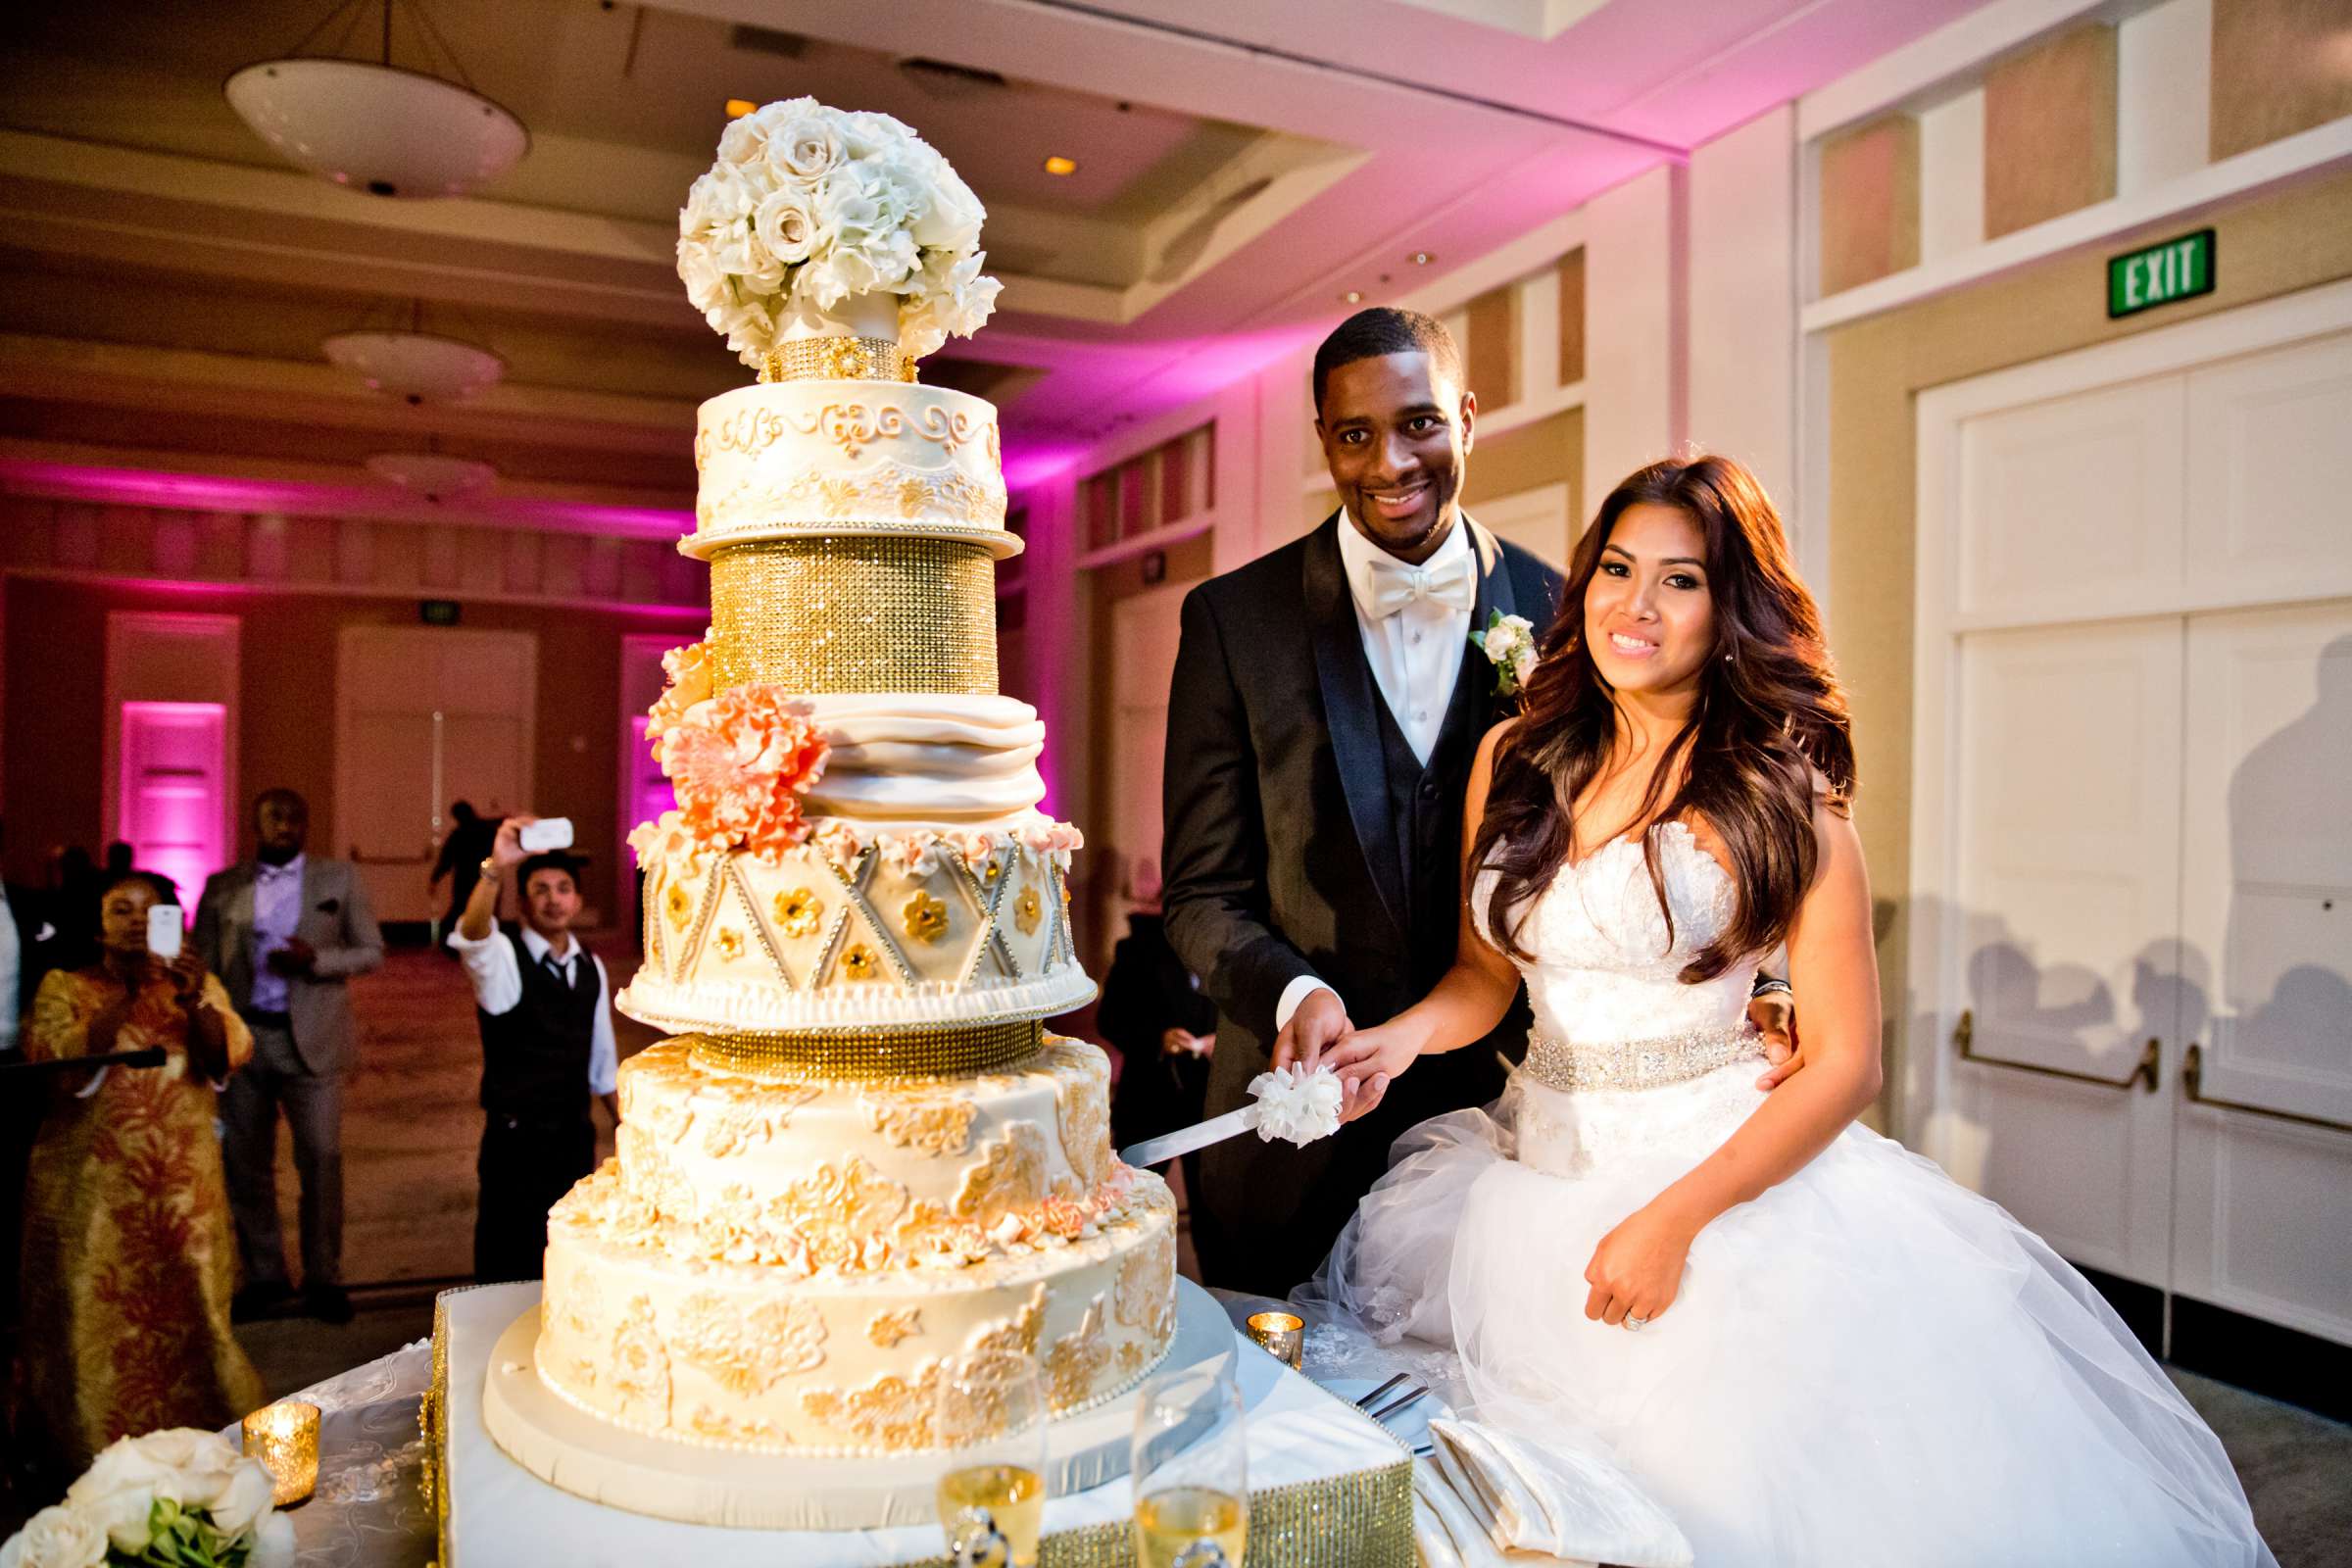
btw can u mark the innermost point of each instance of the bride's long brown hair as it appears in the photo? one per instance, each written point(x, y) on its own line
point(1770, 721)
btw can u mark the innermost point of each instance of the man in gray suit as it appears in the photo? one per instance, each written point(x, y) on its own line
point(285, 931)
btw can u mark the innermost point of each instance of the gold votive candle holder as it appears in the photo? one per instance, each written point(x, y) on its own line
point(1281, 1334)
point(284, 1437)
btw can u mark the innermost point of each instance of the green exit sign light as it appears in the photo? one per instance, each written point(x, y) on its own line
point(437, 612)
point(2159, 275)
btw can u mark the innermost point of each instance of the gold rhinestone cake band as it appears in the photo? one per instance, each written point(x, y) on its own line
point(1637, 1064)
point(958, 1052)
point(837, 358)
point(856, 614)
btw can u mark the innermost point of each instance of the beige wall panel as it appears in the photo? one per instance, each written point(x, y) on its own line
point(2268, 246)
point(2278, 67)
point(1548, 451)
point(2049, 130)
point(1869, 203)
point(1493, 351)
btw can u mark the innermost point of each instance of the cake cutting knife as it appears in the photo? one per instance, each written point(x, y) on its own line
point(1184, 1139)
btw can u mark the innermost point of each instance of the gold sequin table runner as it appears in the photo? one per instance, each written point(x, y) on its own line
point(1329, 1489)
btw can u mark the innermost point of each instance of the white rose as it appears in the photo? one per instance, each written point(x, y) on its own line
point(867, 135)
point(58, 1538)
point(745, 141)
point(273, 1546)
point(950, 219)
point(1523, 665)
point(244, 1496)
point(786, 223)
point(704, 282)
point(806, 147)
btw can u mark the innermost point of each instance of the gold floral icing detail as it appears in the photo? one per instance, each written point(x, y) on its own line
point(748, 1351)
point(638, 1371)
point(736, 1124)
point(580, 1308)
point(1146, 1286)
point(934, 1124)
point(892, 1413)
point(649, 1172)
point(859, 962)
point(1027, 911)
point(799, 913)
point(889, 1328)
point(1012, 1175)
point(1132, 1356)
point(729, 942)
point(665, 1117)
point(1018, 1333)
point(1077, 1359)
point(926, 917)
point(721, 1427)
point(678, 905)
point(1082, 1109)
point(838, 1207)
point(952, 498)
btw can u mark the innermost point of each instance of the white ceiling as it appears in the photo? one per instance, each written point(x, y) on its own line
point(1242, 163)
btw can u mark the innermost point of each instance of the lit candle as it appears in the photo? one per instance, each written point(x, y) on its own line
point(284, 1437)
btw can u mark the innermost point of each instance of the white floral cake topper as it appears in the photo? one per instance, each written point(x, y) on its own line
point(809, 207)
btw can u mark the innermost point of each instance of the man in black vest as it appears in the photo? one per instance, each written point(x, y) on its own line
point(1326, 706)
point(547, 1050)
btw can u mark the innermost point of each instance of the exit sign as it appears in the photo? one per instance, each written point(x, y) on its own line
point(2176, 269)
point(437, 612)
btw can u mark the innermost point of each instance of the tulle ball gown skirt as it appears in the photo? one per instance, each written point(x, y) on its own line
point(1867, 1365)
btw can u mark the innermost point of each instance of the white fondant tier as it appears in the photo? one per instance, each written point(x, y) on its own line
point(894, 759)
point(844, 1361)
point(741, 1164)
point(803, 459)
point(850, 929)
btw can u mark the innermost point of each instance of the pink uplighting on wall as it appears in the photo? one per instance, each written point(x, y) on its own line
point(174, 784)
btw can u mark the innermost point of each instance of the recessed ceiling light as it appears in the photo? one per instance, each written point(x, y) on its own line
point(737, 107)
point(1355, 296)
point(1058, 165)
point(1420, 257)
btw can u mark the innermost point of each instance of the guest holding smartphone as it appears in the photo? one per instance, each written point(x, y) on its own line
point(548, 1052)
point(129, 1264)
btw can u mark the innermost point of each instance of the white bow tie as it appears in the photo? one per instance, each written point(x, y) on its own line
point(1395, 585)
point(273, 874)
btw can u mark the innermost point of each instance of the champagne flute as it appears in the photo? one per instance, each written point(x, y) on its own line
point(1191, 1470)
point(989, 1419)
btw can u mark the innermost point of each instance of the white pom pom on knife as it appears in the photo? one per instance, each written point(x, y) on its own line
point(1288, 1103)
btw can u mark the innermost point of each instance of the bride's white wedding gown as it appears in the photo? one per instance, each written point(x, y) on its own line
point(1868, 1364)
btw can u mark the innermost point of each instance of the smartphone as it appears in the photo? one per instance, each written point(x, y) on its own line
point(548, 833)
point(165, 931)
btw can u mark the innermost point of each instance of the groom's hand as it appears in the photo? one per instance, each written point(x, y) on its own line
point(1320, 1024)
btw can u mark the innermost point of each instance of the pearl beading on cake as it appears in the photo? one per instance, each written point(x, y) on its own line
point(1571, 1067)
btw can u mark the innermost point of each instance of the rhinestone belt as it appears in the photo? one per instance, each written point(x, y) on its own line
point(1637, 1064)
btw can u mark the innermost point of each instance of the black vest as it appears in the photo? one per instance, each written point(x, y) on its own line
point(535, 1054)
point(1425, 810)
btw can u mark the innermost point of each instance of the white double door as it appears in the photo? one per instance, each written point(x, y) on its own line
point(2132, 815)
point(424, 717)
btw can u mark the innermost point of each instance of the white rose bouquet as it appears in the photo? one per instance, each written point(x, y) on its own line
point(1509, 644)
point(808, 207)
point(173, 1499)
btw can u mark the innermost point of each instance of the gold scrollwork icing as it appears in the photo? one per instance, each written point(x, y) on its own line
point(889, 493)
point(652, 1176)
point(720, 1427)
point(839, 1206)
point(799, 913)
point(890, 1327)
point(1018, 1333)
point(638, 1371)
point(853, 427)
point(1145, 1291)
point(1010, 1175)
point(892, 1413)
point(1077, 1360)
point(733, 1124)
point(748, 1351)
point(1082, 1110)
point(1027, 911)
point(936, 1124)
point(926, 918)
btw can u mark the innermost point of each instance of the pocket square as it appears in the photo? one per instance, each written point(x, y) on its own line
point(330, 906)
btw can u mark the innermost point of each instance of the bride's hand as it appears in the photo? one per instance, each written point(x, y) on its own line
point(1366, 1061)
point(1636, 1270)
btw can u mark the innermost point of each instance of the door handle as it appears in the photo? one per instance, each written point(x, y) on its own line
point(2146, 1074)
point(2193, 1071)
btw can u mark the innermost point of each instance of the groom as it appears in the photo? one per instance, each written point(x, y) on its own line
point(1326, 706)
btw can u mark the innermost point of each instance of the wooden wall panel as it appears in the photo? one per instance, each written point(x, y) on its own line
point(1869, 203)
point(1493, 350)
point(1570, 271)
point(2049, 130)
point(2278, 67)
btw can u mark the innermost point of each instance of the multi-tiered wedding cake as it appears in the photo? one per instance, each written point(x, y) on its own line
point(861, 1152)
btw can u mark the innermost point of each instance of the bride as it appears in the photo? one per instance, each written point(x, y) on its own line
point(1807, 1343)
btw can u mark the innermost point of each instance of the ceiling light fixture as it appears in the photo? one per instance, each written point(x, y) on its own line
point(1355, 296)
point(376, 126)
point(404, 361)
point(434, 475)
point(1420, 257)
point(1058, 165)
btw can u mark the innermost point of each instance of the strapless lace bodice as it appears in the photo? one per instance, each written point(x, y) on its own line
point(1602, 971)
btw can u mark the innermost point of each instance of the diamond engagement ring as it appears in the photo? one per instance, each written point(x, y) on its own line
point(1636, 1324)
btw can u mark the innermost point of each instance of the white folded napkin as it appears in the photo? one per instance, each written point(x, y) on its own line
point(1488, 1497)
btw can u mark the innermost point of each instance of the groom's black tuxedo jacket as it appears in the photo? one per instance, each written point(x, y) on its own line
point(1303, 837)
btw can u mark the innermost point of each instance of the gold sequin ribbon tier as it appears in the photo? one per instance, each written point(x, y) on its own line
point(823, 616)
point(838, 359)
point(882, 1052)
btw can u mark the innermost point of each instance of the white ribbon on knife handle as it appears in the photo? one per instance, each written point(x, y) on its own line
point(1288, 1103)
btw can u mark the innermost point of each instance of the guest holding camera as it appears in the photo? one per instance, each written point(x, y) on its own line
point(548, 1048)
point(127, 1261)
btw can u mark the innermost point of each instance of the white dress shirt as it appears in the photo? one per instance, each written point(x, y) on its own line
point(1415, 651)
point(277, 911)
point(498, 987)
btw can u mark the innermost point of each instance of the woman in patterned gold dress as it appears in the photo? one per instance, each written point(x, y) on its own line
point(127, 1263)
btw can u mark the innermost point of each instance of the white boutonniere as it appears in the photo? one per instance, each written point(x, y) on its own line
point(1509, 644)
